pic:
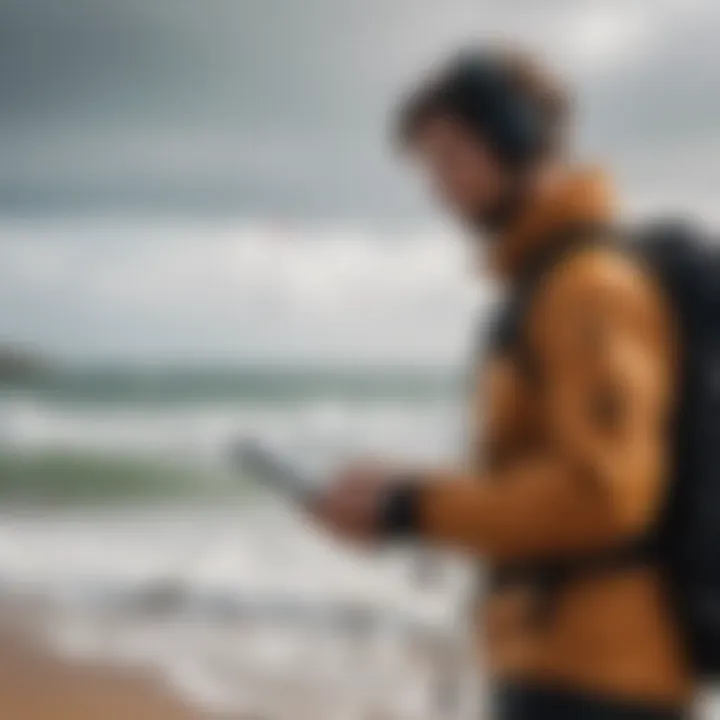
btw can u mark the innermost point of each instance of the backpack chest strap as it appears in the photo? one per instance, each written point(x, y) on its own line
point(547, 578)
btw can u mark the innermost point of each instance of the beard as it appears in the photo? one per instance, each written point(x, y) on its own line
point(492, 221)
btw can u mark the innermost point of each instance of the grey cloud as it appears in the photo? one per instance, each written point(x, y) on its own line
point(264, 107)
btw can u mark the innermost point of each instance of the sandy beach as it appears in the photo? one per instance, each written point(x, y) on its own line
point(35, 685)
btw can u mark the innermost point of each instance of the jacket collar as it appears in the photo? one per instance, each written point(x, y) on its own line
point(583, 196)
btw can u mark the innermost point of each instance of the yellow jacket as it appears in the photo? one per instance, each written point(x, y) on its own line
point(574, 461)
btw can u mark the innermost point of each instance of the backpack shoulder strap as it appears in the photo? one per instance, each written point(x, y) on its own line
point(508, 331)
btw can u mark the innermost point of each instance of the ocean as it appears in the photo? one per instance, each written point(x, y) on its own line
point(123, 516)
point(113, 434)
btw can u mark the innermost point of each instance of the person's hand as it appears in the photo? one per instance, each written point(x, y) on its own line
point(350, 506)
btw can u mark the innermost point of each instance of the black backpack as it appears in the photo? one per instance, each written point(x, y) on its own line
point(686, 542)
point(688, 266)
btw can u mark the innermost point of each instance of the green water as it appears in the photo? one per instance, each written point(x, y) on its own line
point(64, 477)
point(249, 385)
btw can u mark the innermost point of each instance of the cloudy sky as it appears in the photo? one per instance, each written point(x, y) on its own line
point(211, 179)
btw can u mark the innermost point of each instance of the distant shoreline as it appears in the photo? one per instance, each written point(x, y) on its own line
point(17, 364)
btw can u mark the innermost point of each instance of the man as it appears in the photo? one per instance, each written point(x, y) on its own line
point(578, 393)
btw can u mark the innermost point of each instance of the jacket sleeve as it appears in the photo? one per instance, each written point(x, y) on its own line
point(603, 340)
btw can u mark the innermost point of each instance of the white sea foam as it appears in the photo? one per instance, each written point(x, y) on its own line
point(317, 431)
point(239, 609)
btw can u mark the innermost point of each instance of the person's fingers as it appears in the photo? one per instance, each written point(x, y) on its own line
point(347, 512)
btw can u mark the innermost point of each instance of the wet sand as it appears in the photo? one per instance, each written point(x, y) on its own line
point(36, 686)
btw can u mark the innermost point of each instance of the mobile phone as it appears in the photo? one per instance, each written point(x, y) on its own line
point(270, 468)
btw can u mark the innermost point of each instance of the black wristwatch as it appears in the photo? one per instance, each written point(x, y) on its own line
point(399, 511)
